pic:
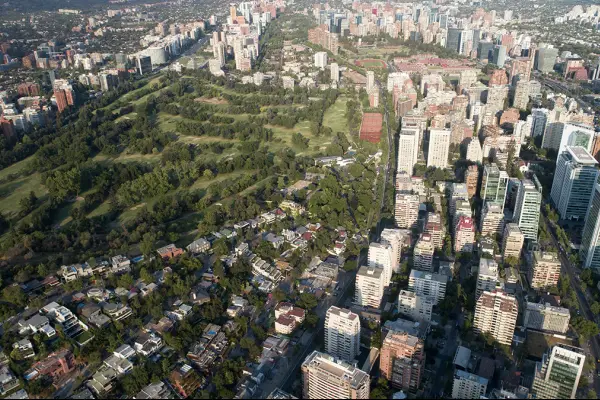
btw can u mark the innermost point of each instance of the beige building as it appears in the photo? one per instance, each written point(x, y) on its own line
point(545, 270)
point(435, 228)
point(464, 235)
point(326, 377)
point(544, 317)
point(512, 241)
point(439, 146)
point(496, 312)
point(407, 210)
point(468, 386)
point(423, 253)
point(487, 276)
point(369, 287)
point(415, 306)
point(402, 360)
point(492, 220)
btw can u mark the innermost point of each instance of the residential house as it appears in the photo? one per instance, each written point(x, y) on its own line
point(185, 380)
point(94, 316)
point(169, 251)
point(198, 246)
point(71, 326)
point(103, 380)
point(180, 313)
point(199, 296)
point(55, 366)
point(35, 324)
point(120, 264)
point(147, 344)
point(8, 380)
point(157, 390)
point(25, 348)
point(288, 317)
point(276, 241)
point(116, 311)
point(163, 325)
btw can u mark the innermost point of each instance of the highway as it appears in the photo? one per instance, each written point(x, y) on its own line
point(573, 273)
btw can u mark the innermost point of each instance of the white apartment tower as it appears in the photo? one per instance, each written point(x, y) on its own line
point(335, 72)
point(439, 145)
point(326, 377)
point(492, 220)
point(415, 306)
point(381, 255)
point(395, 238)
point(408, 149)
point(428, 284)
point(369, 287)
point(370, 81)
point(406, 211)
point(321, 59)
point(496, 312)
point(423, 253)
point(487, 276)
point(342, 333)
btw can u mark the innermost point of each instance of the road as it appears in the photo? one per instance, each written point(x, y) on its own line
point(573, 273)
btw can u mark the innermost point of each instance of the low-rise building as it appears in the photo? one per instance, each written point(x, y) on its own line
point(544, 317)
point(288, 317)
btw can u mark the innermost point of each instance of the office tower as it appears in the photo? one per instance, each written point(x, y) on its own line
point(428, 284)
point(545, 58)
point(539, 120)
point(485, 50)
point(342, 333)
point(144, 65)
point(453, 39)
point(557, 375)
point(468, 386)
point(369, 287)
point(527, 208)
point(474, 152)
point(471, 179)
point(402, 360)
point(590, 242)
point(464, 234)
point(407, 210)
point(435, 228)
point(395, 238)
point(512, 241)
point(544, 271)
point(492, 220)
point(544, 317)
point(574, 178)
point(496, 312)
point(415, 306)
point(439, 144)
point(487, 276)
point(423, 253)
point(493, 185)
point(321, 59)
point(325, 377)
point(574, 134)
point(408, 149)
point(335, 72)
point(370, 81)
point(381, 255)
point(499, 57)
point(521, 96)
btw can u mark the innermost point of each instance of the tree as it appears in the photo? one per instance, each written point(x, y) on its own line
point(308, 301)
point(14, 294)
point(147, 244)
point(592, 394)
point(381, 390)
point(595, 307)
point(584, 327)
point(312, 319)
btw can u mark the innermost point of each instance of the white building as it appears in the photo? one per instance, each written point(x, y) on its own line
point(381, 255)
point(369, 287)
point(321, 59)
point(407, 210)
point(474, 152)
point(408, 149)
point(428, 284)
point(496, 312)
point(326, 377)
point(544, 317)
point(395, 238)
point(342, 333)
point(335, 72)
point(439, 146)
point(415, 306)
point(527, 208)
point(423, 253)
point(468, 386)
point(487, 276)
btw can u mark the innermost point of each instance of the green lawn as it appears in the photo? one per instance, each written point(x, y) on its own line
point(335, 116)
point(16, 168)
point(12, 192)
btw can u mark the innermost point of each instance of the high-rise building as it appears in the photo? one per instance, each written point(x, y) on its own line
point(381, 255)
point(335, 72)
point(453, 39)
point(342, 333)
point(521, 96)
point(499, 55)
point(415, 306)
point(574, 178)
point(468, 386)
point(544, 317)
point(557, 375)
point(471, 180)
point(464, 235)
point(527, 208)
point(435, 228)
point(458, 191)
point(144, 65)
point(395, 238)
point(325, 377)
point(369, 287)
point(590, 241)
point(544, 271)
point(423, 253)
point(487, 276)
point(574, 134)
point(474, 152)
point(61, 99)
point(496, 312)
point(493, 184)
point(492, 220)
point(428, 284)
point(402, 360)
point(370, 81)
point(539, 120)
point(545, 58)
point(407, 210)
point(439, 145)
point(408, 149)
point(512, 241)
point(321, 59)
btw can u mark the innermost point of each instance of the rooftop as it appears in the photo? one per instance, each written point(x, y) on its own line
point(370, 272)
point(581, 155)
point(416, 274)
point(470, 377)
point(342, 312)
